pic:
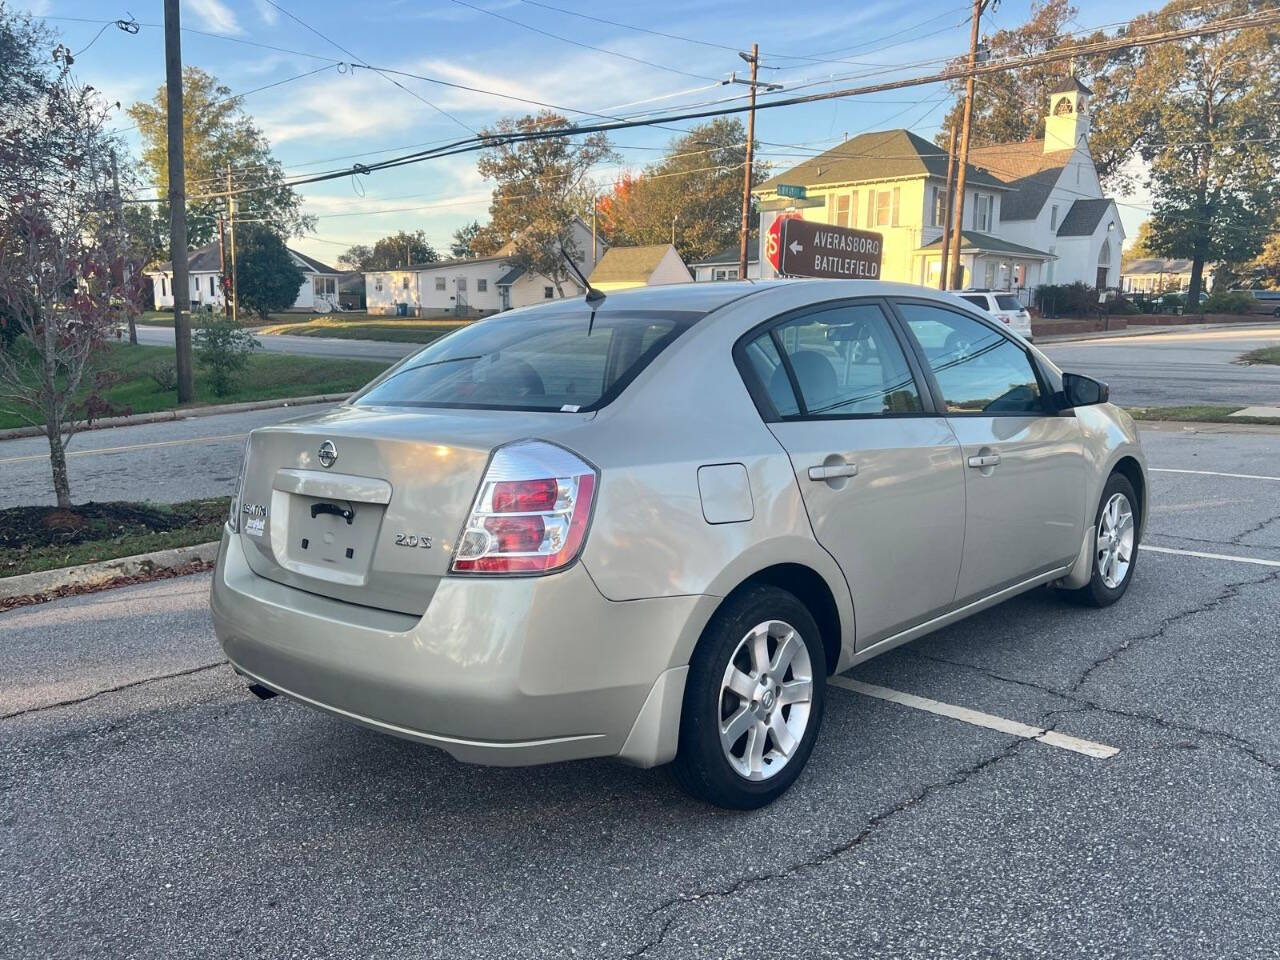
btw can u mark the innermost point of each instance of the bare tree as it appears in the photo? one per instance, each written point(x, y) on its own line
point(63, 282)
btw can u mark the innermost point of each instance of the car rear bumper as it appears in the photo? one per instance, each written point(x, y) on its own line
point(504, 671)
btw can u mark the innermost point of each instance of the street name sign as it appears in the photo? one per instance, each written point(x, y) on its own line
point(808, 249)
point(788, 190)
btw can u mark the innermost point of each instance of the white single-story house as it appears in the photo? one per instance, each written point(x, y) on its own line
point(724, 264)
point(319, 290)
point(1158, 275)
point(623, 268)
point(474, 285)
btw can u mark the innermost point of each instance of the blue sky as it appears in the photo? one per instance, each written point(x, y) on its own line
point(318, 122)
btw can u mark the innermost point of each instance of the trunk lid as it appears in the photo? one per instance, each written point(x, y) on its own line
point(363, 504)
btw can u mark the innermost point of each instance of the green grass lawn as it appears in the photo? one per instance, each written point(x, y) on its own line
point(1199, 413)
point(269, 376)
point(1262, 355)
point(46, 538)
point(351, 327)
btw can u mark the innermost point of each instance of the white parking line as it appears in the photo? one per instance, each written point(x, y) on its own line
point(1210, 556)
point(130, 447)
point(1099, 751)
point(1213, 473)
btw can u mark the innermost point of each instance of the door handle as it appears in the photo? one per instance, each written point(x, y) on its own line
point(989, 460)
point(833, 472)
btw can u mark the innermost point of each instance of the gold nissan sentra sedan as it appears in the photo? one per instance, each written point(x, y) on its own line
point(649, 527)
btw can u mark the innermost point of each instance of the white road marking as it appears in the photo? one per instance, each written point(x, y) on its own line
point(130, 447)
point(1099, 751)
point(1210, 556)
point(1213, 473)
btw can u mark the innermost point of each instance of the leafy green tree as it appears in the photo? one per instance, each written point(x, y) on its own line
point(1141, 245)
point(464, 239)
point(391, 252)
point(223, 347)
point(218, 135)
point(1206, 111)
point(541, 187)
point(266, 276)
point(697, 186)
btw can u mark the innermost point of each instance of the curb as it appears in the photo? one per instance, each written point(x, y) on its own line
point(185, 413)
point(1152, 331)
point(96, 574)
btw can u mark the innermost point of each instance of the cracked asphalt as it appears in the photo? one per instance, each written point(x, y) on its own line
point(149, 807)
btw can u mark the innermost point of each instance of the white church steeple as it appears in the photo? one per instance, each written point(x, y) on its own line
point(1067, 125)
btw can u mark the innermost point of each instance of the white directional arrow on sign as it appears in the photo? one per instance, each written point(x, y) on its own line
point(795, 246)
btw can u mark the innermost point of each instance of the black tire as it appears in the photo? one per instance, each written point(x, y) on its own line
point(700, 766)
point(1096, 593)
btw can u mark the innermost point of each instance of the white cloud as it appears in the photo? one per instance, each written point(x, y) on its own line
point(269, 14)
point(214, 16)
point(40, 8)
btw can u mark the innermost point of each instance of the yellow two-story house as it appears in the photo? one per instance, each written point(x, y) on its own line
point(1033, 212)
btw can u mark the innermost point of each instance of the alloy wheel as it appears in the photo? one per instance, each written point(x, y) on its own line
point(1115, 541)
point(765, 699)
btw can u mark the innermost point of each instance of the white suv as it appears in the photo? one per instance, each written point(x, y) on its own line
point(1005, 307)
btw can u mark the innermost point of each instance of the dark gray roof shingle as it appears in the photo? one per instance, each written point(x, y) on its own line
point(885, 155)
point(1083, 218)
point(971, 242)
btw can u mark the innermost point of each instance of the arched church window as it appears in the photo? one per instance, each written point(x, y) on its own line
point(1062, 107)
point(1104, 255)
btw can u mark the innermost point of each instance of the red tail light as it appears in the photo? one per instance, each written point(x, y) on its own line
point(531, 513)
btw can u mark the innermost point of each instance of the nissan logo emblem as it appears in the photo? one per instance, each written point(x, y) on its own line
point(328, 454)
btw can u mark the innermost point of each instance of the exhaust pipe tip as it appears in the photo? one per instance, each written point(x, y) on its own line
point(261, 692)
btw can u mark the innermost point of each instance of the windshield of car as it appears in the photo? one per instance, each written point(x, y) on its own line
point(566, 361)
point(1007, 302)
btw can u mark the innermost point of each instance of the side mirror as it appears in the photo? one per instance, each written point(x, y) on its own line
point(1081, 391)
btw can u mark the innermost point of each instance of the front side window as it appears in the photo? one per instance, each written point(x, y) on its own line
point(564, 362)
point(1006, 301)
point(844, 360)
point(939, 206)
point(978, 369)
point(439, 283)
point(886, 207)
point(482, 285)
point(842, 210)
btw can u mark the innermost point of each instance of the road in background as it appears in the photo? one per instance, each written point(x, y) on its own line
point(168, 462)
point(152, 807)
point(1175, 369)
point(301, 346)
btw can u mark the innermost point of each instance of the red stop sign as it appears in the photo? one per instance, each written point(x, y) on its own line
point(773, 238)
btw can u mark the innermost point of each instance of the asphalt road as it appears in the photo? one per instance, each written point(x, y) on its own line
point(1173, 369)
point(165, 462)
point(150, 807)
point(304, 346)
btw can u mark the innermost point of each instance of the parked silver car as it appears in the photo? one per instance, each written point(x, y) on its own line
point(650, 527)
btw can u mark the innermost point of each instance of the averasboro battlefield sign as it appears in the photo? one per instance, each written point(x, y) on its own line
point(806, 249)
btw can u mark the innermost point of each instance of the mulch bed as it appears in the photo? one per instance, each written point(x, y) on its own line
point(28, 528)
point(196, 566)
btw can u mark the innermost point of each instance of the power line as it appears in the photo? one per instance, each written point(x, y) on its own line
point(960, 72)
point(444, 113)
point(579, 43)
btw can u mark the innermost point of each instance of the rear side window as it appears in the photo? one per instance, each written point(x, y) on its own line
point(979, 302)
point(564, 361)
point(978, 369)
point(1006, 302)
point(843, 360)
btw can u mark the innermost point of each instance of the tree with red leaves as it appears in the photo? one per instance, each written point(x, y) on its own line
point(64, 282)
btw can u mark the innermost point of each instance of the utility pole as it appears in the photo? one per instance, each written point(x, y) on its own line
point(178, 203)
point(745, 229)
point(957, 268)
point(231, 229)
point(674, 218)
point(595, 205)
point(947, 208)
point(117, 209)
point(222, 264)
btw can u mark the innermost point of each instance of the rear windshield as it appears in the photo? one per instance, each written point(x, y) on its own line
point(1006, 302)
point(535, 361)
